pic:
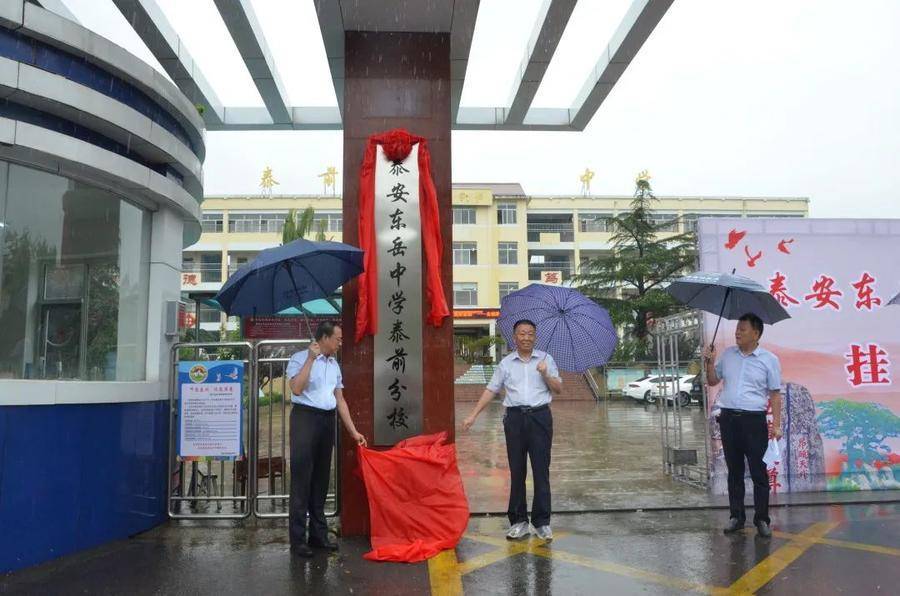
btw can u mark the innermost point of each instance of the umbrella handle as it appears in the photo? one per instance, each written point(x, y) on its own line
point(297, 293)
point(721, 312)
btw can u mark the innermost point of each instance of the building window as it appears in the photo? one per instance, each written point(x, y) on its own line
point(507, 288)
point(465, 294)
point(595, 222)
point(509, 253)
point(666, 222)
point(208, 314)
point(506, 213)
point(465, 253)
point(211, 222)
point(463, 216)
point(255, 223)
point(74, 280)
point(327, 222)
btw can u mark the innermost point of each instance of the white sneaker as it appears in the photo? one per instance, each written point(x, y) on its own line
point(544, 533)
point(518, 531)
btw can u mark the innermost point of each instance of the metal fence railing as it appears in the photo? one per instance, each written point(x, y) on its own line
point(258, 483)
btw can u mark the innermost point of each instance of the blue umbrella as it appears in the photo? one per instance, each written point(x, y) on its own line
point(731, 296)
point(572, 328)
point(288, 275)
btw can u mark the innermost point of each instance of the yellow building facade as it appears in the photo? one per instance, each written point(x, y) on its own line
point(503, 239)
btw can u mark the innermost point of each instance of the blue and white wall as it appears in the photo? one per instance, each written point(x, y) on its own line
point(100, 175)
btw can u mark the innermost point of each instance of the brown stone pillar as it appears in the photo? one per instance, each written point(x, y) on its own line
point(394, 80)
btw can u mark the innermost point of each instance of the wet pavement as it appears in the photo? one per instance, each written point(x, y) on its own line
point(852, 549)
point(606, 455)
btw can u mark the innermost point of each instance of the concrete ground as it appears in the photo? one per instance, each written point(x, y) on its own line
point(606, 455)
point(851, 549)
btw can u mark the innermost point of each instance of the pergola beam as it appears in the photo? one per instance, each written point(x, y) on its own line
point(548, 30)
point(635, 28)
point(150, 23)
point(462, 28)
point(242, 24)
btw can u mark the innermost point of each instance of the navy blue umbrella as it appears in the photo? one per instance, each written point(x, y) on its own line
point(288, 275)
point(572, 328)
point(728, 295)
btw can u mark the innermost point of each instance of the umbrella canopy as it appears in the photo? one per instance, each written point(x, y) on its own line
point(572, 328)
point(728, 295)
point(895, 301)
point(287, 275)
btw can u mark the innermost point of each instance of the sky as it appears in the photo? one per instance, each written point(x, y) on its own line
point(765, 98)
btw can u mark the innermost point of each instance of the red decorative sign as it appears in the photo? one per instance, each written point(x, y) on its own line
point(476, 313)
point(282, 327)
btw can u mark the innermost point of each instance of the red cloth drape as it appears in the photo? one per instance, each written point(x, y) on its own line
point(397, 145)
point(417, 504)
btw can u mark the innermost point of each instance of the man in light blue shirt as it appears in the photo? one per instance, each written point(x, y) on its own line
point(316, 393)
point(752, 377)
point(531, 379)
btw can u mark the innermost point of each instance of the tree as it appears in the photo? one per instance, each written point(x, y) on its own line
point(629, 281)
point(299, 225)
point(865, 428)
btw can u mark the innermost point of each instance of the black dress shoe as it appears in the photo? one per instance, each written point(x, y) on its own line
point(302, 550)
point(734, 525)
point(323, 544)
point(763, 529)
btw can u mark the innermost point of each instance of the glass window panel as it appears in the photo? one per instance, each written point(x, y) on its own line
point(74, 277)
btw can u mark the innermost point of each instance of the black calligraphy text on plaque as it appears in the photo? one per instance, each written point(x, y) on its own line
point(396, 220)
point(397, 418)
point(397, 168)
point(398, 360)
point(398, 193)
point(397, 272)
point(397, 333)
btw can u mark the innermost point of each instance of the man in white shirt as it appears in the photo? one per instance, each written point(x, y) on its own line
point(316, 393)
point(531, 379)
point(752, 377)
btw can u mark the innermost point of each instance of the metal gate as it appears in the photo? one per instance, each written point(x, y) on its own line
point(258, 483)
point(680, 460)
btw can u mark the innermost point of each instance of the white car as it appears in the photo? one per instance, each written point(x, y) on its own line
point(685, 384)
point(639, 389)
point(647, 388)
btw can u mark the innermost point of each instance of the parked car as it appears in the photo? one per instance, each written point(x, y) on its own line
point(641, 389)
point(685, 385)
point(635, 389)
point(697, 389)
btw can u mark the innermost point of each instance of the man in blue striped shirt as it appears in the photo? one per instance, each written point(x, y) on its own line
point(752, 377)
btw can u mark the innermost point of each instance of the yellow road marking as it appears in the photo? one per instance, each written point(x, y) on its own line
point(775, 563)
point(446, 572)
point(632, 572)
point(443, 573)
point(872, 548)
point(541, 549)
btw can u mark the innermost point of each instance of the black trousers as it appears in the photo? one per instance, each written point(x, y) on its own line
point(312, 442)
point(746, 435)
point(529, 435)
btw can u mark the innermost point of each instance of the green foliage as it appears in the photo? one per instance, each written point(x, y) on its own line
point(103, 316)
point(864, 427)
point(300, 224)
point(629, 282)
point(475, 350)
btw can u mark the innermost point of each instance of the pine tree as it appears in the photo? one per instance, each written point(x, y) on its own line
point(629, 282)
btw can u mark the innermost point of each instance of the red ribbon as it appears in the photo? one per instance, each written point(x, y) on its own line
point(397, 145)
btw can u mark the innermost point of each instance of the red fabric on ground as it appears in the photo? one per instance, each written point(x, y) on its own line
point(417, 504)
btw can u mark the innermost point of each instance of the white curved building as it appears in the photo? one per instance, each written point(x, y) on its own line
point(100, 187)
